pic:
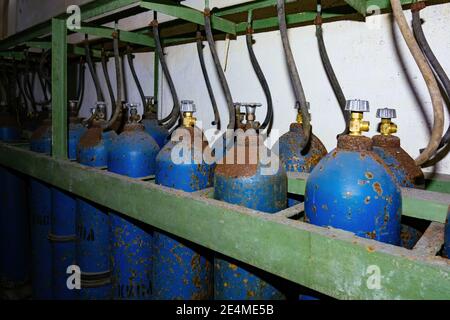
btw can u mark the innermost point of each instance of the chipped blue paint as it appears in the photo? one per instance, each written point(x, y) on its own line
point(182, 270)
point(133, 153)
point(159, 133)
point(354, 191)
point(292, 157)
point(14, 229)
point(93, 247)
point(266, 193)
point(40, 199)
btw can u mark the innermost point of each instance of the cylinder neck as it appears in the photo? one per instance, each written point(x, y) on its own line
point(354, 143)
point(386, 141)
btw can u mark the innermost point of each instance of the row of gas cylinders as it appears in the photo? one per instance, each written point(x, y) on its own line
point(355, 187)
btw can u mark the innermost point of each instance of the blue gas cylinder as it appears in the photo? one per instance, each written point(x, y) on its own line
point(14, 229)
point(352, 189)
point(404, 168)
point(14, 222)
point(133, 154)
point(9, 128)
point(182, 270)
point(294, 158)
point(40, 199)
point(251, 184)
point(150, 122)
point(63, 222)
point(93, 224)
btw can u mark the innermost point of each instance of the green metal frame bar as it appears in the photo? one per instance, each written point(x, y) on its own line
point(59, 89)
point(72, 49)
point(361, 6)
point(190, 14)
point(126, 36)
point(333, 262)
point(12, 55)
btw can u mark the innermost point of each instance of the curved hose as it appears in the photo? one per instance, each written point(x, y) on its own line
point(172, 118)
point(293, 74)
point(80, 85)
point(130, 58)
point(440, 72)
point(268, 121)
point(91, 67)
point(329, 69)
point(117, 111)
point(107, 78)
point(201, 57)
point(433, 88)
point(220, 73)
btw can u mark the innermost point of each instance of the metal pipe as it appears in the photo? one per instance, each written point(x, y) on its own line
point(201, 57)
point(293, 74)
point(329, 69)
point(427, 73)
point(104, 64)
point(268, 121)
point(117, 112)
point(434, 62)
point(130, 58)
point(174, 115)
point(91, 67)
point(220, 73)
point(81, 83)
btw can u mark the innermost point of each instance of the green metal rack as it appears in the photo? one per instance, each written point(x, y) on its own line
point(331, 261)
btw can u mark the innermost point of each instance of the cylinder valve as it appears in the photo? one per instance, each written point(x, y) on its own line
point(188, 109)
point(357, 108)
point(250, 109)
point(134, 115)
point(387, 127)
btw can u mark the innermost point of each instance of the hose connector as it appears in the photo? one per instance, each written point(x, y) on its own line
point(357, 109)
point(188, 109)
point(250, 116)
point(299, 119)
point(134, 115)
point(240, 116)
point(387, 127)
point(73, 108)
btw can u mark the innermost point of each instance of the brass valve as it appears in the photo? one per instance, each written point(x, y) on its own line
point(387, 127)
point(188, 119)
point(188, 109)
point(357, 124)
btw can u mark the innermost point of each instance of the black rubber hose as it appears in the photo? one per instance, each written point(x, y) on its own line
point(91, 67)
point(268, 121)
point(433, 61)
point(293, 74)
point(330, 71)
point(108, 79)
point(81, 83)
point(130, 58)
point(201, 58)
point(219, 70)
point(117, 107)
point(174, 115)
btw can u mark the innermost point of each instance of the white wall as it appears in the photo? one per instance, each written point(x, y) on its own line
point(370, 59)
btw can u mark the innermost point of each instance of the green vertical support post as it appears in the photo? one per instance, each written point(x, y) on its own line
point(156, 79)
point(59, 89)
